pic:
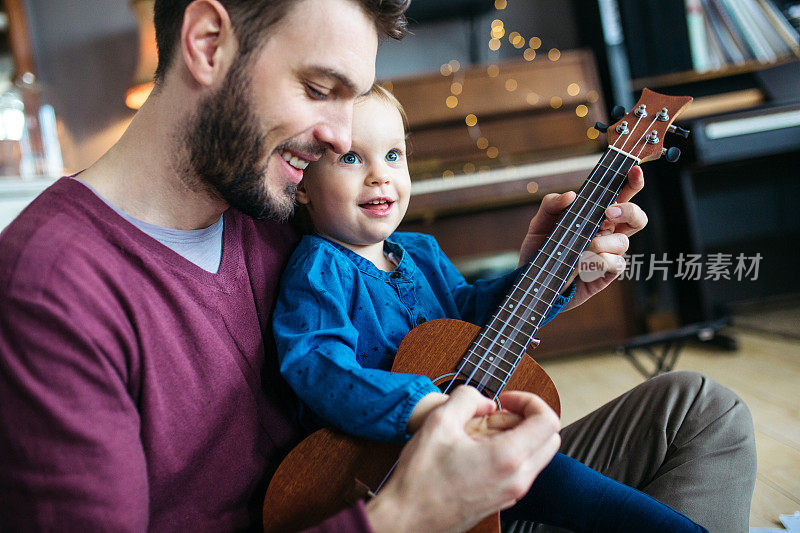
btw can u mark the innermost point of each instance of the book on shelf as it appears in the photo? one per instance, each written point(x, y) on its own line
point(730, 32)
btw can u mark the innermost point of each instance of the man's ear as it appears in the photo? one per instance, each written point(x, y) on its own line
point(301, 194)
point(208, 43)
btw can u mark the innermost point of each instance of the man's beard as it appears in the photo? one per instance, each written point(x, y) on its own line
point(226, 150)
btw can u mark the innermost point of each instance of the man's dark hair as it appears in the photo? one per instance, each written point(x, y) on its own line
point(251, 19)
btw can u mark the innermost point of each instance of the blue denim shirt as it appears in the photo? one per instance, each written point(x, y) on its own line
point(339, 321)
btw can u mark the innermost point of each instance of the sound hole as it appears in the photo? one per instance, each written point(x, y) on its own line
point(449, 382)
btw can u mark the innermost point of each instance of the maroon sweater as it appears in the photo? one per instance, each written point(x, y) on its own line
point(136, 389)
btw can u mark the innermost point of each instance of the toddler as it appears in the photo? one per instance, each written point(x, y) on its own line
point(355, 287)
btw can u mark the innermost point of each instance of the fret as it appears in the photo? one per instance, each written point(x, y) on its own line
point(569, 264)
point(528, 310)
point(532, 315)
point(554, 276)
point(589, 220)
point(536, 290)
point(576, 232)
point(474, 372)
point(617, 171)
point(490, 382)
point(506, 342)
point(494, 364)
point(600, 185)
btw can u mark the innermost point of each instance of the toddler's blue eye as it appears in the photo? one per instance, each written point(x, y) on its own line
point(349, 158)
point(393, 155)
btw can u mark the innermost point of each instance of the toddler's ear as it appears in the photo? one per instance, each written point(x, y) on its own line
point(301, 194)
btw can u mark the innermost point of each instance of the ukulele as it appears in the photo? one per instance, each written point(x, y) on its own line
point(329, 471)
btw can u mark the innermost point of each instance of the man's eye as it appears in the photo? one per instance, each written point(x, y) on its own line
point(393, 155)
point(316, 94)
point(349, 158)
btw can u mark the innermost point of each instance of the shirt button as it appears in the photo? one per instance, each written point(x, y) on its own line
point(420, 320)
point(395, 275)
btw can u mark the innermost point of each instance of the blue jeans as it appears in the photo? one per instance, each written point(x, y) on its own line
point(570, 495)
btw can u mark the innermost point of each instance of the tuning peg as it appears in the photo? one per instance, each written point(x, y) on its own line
point(601, 127)
point(617, 112)
point(678, 131)
point(673, 154)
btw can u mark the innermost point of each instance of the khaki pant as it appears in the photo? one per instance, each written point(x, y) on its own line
point(679, 437)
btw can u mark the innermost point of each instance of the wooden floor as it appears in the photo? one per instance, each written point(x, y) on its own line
point(765, 372)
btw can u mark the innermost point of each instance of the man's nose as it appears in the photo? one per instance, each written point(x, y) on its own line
point(336, 130)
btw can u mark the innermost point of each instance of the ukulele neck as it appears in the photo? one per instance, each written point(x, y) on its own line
point(497, 350)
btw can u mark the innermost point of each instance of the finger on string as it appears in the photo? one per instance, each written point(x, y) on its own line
point(615, 243)
point(492, 424)
point(464, 403)
point(631, 217)
point(502, 420)
point(523, 403)
point(551, 208)
point(634, 185)
point(606, 228)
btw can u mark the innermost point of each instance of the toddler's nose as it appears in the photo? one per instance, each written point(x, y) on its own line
point(378, 180)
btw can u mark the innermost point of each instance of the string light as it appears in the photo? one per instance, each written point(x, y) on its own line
point(456, 88)
point(454, 65)
point(556, 102)
point(446, 69)
point(482, 143)
point(532, 98)
point(581, 110)
point(592, 133)
point(500, 4)
point(494, 44)
point(448, 174)
point(492, 152)
point(471, 120)
point(554, 54)
point(492, 71)
point(529, 54)
point(469, 168)
point(573, 89)
point(451, 102)
point(532, 187)
point(511, 85)
point(592, 96)
point(535, 43)
point(498, 32)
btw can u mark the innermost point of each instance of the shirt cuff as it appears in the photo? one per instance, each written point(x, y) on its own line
point(424, 388)
point(560, 301)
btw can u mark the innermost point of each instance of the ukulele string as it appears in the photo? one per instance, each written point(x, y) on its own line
point(575, 237)
point(615, 194)
point(528, 311)
point(453, 381)
point(503, 326)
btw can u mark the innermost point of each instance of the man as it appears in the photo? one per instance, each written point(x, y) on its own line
point(137, 388)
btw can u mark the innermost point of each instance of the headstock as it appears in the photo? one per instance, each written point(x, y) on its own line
point(640, 133)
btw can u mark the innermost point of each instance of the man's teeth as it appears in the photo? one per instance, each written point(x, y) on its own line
point(295, 161)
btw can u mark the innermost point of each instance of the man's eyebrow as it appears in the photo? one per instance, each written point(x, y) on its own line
point(341, 78)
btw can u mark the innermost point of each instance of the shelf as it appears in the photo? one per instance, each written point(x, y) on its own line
point(691, 76)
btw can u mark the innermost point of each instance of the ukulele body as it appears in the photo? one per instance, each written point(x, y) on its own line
point(329, 471)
